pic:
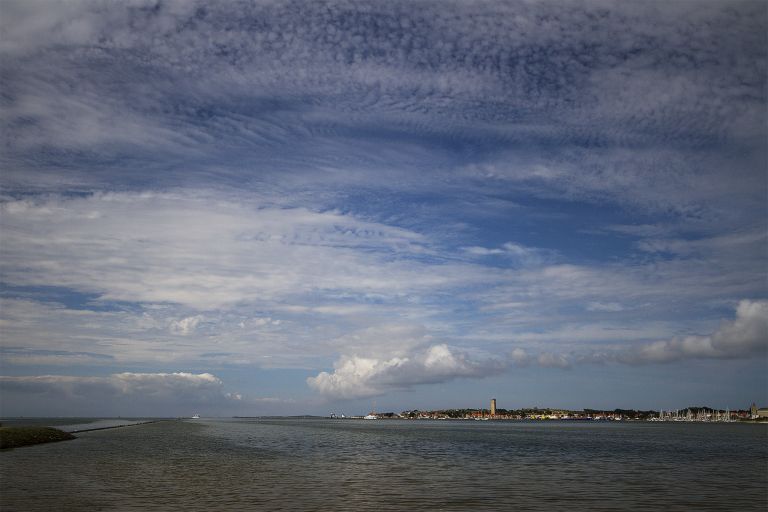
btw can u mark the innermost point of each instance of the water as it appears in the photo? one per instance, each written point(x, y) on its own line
point(291, 464)
point(74, 424)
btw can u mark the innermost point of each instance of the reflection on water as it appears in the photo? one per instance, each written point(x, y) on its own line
point(348, 465)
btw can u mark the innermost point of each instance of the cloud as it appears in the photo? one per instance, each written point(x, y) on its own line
point(550, 360)
point(745, 242)
point(23, 356)
point(511, 250)
point(259, 322)
point(656, 179)
point(610, 307)
point(622, 106)
point(147, 384)
point(482, 251)
point(206, 253)
point(123, 394)
point(355, 376)
point(361, 162)
point(520, 357)
point(186, 326)
point(744, 337)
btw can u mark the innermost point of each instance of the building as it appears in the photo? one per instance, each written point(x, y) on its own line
point(493, 407)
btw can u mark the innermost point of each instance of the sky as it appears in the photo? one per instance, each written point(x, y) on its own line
point(306, 207)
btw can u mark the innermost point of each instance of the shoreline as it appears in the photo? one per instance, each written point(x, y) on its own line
point(26, 435)
point(16, 437)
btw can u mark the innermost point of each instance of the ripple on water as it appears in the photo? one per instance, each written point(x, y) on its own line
point(348, 465)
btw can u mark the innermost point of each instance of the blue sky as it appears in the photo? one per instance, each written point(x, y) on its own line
point(304, 207)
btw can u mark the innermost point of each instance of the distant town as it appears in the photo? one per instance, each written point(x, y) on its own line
point(698, 414)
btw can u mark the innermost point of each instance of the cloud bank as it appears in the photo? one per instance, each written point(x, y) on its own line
point(356, 377)
point(745, 336)
point(124, 394)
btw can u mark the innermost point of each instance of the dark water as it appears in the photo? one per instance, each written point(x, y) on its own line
point(397, 465)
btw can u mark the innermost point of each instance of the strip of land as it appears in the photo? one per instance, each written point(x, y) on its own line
point(14, 437)
point(115, 426)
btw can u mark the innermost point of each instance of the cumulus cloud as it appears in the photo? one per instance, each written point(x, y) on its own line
point(185, 326)
point(355, 376)
point(258, 322)
point(551, 360)
point(520, 357)
point(746, 336)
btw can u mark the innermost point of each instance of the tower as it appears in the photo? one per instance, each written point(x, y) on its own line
point(493, 407)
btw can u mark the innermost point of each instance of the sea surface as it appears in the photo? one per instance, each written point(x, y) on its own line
point(318, 464)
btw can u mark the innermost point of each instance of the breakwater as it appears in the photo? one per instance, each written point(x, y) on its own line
point(85, 428)
point(15, 437)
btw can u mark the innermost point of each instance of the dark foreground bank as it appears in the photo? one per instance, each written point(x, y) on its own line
point(14, 437)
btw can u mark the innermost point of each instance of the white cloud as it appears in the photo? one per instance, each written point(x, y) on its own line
point(185, 326)
point(746, 336)
point(611, 307)
point(575, 84)
point(520, 357)
point(207, 252)
point(355, 376)
point(255, 324)
point(382, 341)
point(140, 336)
point(551, 360)
point(128, 383)
point(521, 253)
point(482, 251)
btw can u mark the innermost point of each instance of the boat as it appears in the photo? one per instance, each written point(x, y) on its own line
point(372, 414)
point(195, 416)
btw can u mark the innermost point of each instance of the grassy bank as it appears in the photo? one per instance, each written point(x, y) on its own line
point(13, 437)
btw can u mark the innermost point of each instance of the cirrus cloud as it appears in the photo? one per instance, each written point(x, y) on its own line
point(205, 252)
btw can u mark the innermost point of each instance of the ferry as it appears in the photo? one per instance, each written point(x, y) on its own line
point(195, 416)
point(370, 417)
